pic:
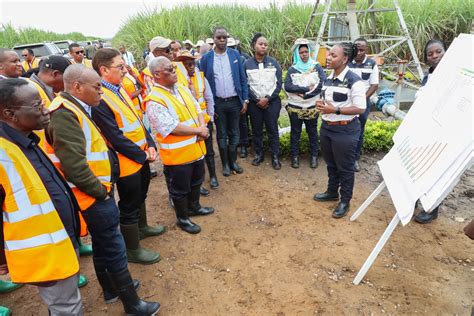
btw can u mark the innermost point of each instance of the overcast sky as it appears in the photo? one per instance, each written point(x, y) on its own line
point(101, 18)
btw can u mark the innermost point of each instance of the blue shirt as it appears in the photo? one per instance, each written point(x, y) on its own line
point(114, 88)
point(223, 76)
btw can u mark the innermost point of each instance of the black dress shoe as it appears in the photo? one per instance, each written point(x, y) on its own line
point(341, 210)
point(295, 162)
point(204, 192)
point(243, 151)
point(259, 158)
point(425, 218)
point(313, 162)
point(356, 166)
point(153, 173)
point(202, 211)
point(326, 196)
point(276, 162)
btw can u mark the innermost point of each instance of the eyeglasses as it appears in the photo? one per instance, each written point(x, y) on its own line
point(121, 67)
point(79, 52)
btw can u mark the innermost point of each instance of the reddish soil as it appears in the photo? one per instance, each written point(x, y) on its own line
point(271, 250)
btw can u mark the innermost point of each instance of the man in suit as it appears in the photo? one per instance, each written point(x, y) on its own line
point(223, 69)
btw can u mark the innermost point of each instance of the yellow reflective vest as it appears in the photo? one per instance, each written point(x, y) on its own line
point(37, 246)
point(177, 149)
point(34, 64)
point(97, 152)
point(47, 102)
point(129, 122)
point(199, 86)
point(86, 62)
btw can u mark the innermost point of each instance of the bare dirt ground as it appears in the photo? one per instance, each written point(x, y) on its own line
point(271, 250)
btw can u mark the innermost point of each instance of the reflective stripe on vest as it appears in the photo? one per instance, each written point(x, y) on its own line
point(96, 152)
point(130, 124)
point(35, 239)
point(199, 87)
point(182, 74)
point(174, 149)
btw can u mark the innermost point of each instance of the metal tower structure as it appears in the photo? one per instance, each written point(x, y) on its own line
point(382, 43)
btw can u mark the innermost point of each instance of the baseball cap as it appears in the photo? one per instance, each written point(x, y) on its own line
point(188, 42)
point(199, 43)
point(159, 42)
point(185, 54)
point(209, 40)
point(55, 62)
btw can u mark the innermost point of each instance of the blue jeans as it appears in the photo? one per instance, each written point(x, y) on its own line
point(102, 220)
point(227, 122)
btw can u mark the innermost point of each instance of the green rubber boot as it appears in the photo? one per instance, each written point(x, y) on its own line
point(5, 311)
point(84, 250)
point(82, 281)
point(8, 286)
point(145, 230)
point(135, 253)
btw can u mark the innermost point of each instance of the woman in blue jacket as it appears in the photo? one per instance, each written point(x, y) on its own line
point(264, 81)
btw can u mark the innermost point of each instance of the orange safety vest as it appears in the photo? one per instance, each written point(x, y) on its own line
point(199, 86)
point(129, 122)
point(176, 149)
point(47, 148)
point(128, 83)
point(34, 64)
point(37, 246)
point(97, 152)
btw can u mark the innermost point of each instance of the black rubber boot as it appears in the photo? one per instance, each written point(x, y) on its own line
point(135, 253)
point(145, 230)
point(132, 304)
point(211, 167)
point(110, 292)
point(225, 161)
point(182, 217)
point(341, 210)
point(233, 160)
point(425, 218)
point(194, 207)
point(326, 196)
point(204, 192)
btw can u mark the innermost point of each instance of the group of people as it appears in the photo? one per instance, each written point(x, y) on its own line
point(77, 129)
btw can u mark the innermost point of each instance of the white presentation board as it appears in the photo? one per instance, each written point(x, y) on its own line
point(434, 144)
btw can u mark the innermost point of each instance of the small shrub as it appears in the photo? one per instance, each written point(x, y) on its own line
point(378, 137)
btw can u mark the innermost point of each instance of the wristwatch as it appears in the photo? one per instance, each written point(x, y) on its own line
point(246, 101)
point(338, 110)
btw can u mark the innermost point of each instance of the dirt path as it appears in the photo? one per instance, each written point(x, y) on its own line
point(271, 250)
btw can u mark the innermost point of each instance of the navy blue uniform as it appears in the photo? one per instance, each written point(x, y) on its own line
point(264, 80)
point(340, 133)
